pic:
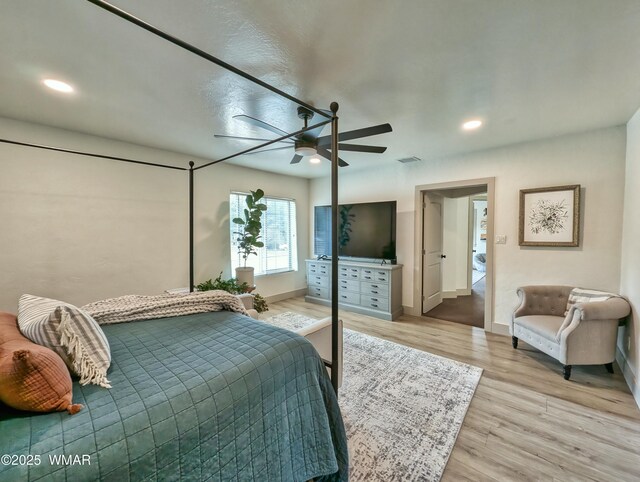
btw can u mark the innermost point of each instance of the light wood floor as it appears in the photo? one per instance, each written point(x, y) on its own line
point(525, 421)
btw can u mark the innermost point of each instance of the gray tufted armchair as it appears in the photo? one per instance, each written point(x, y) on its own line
point(585, 336)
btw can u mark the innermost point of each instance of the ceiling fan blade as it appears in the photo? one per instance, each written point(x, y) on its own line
point(296, 159)
point(327, 155)
point(357, 134)
point(258, 123)
point(266, 150)
point(247, 138)
point(358, 148)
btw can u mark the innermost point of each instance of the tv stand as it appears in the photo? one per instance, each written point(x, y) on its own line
point(366, 288)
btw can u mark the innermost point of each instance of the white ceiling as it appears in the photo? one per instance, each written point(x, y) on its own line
point(530, 69)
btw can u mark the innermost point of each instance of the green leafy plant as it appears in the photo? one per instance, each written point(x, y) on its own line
point(346, 218)
point(249, 226)
point(232, 286)
point(259, 303)
point(229, 285)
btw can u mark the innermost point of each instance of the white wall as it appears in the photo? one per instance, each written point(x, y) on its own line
point(593, 159)
point(480, 245)
point(213, 255)
point(455, 241)
point(629, 336)
point(81, 229)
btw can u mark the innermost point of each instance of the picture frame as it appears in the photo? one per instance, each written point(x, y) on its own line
point(550, 216)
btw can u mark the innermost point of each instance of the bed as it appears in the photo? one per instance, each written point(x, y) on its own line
point(212, 396)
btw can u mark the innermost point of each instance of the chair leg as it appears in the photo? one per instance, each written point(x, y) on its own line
point(514, 341)
point(567, 372)
point(609, 367)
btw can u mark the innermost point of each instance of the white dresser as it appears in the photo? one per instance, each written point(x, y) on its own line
point(368, 288)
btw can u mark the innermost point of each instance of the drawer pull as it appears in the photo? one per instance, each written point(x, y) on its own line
point(381, 279)
point(344, 296)
point(382, 273)
point(374, 305)
point(374, 299)
point(374, 292)
point(375, 286)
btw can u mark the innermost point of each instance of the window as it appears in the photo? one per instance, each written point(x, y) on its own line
point(280, 251)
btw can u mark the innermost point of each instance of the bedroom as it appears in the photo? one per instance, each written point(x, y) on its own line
point(79, 229)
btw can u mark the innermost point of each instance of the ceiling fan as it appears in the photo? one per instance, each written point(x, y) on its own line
point(310, 142)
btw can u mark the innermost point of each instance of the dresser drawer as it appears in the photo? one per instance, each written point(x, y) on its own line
point(349, 285)
point(348, 272)
point(349, 297)
point(316, 280)
point(375, 289)
point(318, 292)
point(320, 269)
point(370, 274)
point(374, 302)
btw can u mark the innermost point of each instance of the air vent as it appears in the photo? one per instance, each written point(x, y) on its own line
point(408, 160)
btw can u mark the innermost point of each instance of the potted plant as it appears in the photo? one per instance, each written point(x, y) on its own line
point(248, 234)
point(234, 287)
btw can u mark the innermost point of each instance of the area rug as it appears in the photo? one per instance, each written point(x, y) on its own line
point(403, 408)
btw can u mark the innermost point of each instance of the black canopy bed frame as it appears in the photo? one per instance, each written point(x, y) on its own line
point(332, 119)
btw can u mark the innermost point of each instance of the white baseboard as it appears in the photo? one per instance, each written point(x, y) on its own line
point(286, 296)
point(629, 376)
point(410, 310)
point(499, 328)
point(456, 293)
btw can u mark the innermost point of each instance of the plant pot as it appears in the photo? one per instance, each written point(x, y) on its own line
point(245, 275)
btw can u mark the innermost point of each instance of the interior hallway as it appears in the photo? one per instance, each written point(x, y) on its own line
point(468, 310)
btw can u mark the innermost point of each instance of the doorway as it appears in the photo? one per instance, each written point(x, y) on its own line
point(456, 230)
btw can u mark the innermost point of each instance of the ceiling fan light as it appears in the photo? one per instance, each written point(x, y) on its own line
point(305, 151)
point(315, 160)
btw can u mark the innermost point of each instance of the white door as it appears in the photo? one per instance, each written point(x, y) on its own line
point(432, 251)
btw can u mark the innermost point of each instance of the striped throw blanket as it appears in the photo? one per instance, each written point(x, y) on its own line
point(582, 295)
point(141, 307)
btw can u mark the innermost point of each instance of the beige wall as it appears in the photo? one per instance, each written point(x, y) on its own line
point(212, 187)
point(593, 159)
point(81, 229)
point(455, 245)
point(629, 336)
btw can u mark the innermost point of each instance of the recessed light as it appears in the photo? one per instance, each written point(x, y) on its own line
point(314, 160)
point(471, 124)
point(58, 85)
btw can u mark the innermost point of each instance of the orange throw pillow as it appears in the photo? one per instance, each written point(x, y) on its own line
point(32, 377)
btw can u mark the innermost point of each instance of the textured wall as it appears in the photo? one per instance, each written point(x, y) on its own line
point(594, 159)
point(629, 336)
point(81, 229)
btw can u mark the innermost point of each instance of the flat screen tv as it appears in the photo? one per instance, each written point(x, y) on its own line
point(366, 230)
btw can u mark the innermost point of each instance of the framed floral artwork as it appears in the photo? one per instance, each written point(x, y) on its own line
point(550, 216)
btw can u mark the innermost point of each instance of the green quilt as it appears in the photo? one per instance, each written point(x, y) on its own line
point(213, 396)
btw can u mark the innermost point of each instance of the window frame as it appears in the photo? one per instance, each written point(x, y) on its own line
point(293, 237)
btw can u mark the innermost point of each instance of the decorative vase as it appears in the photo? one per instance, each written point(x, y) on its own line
point(245, 275)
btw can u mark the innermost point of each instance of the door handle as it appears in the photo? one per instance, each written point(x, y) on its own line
point(443, 255)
